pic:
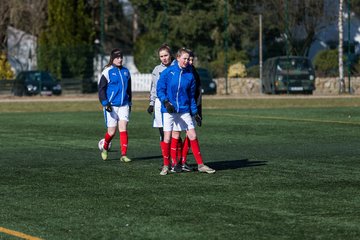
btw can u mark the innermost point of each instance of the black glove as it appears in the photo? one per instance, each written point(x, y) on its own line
point(169, 107)
point(198, 119)
point(129, 109)
point(108, 107)
point(150, 109)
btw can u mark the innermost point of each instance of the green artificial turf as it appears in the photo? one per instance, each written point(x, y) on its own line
point(286, 169)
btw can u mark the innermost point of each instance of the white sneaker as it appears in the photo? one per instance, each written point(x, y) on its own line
point(205, 169)
point(164, 170)
point(104, 154)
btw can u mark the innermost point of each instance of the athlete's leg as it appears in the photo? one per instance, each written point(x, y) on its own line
point(173, 148)
point(197, 154)
point(123, 139)
point(108, 136)
point(185, 150)
point(165, 148)
point(194, 143)
point(168, 122)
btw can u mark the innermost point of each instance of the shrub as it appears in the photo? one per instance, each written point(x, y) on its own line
point(253, 71)
point(5, 68)
point(326, 63)
point(233, 57)
point(237, 70)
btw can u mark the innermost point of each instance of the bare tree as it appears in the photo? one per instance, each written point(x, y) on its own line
point(299, 19)
point(28, 16)
point(117, 24)
point(4, 22)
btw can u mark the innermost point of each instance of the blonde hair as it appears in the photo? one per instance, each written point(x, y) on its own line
point(182, 51)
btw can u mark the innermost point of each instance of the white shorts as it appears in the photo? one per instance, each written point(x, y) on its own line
point(178, 121)
point(117, 114)
point(158, 123)
point(158, 116)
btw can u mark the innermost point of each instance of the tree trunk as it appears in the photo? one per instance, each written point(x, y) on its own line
point(341, 64)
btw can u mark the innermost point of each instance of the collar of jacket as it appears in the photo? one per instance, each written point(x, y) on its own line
point(180, 68)
point(120, 67)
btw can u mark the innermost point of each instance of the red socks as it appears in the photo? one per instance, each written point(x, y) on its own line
point(165, 152)
point(173, 151)
point(196, 151)
point(107, 141)
point(123, 142)
point(185, 150)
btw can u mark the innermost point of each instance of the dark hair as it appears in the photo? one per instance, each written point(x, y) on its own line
point(115, 53)
point(191, 53)
point(164, 47)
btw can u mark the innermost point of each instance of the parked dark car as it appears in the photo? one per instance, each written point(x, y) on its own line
point(36, 82)
point(207, 83)
point(288, 74)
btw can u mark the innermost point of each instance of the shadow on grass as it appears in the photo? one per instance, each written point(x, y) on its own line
point(137, 158)
point(235, 164)
point(219, 165)
point(148, 158)
point(112, 151)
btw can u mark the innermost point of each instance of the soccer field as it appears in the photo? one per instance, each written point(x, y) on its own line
point(287, 168)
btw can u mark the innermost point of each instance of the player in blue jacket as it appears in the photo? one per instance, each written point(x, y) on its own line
point(198, 98)
point(176, 92)
point(115, 94)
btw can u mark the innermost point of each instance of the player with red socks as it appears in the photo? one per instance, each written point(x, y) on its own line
point(164, 53)
point(114, 88)
point(176, 91)
point(198, 98)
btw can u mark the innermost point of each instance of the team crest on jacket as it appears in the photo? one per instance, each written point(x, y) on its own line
point(125, 73)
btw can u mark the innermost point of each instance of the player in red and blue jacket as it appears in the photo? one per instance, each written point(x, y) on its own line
point(176, 91)
point(115, 95)
point(177, 86)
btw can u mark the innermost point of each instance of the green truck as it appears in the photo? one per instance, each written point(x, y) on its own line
point(288, 74)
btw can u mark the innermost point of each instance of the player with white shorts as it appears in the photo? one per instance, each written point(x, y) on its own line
point(118, 113)
point(178, 122)
point(164, 53)
point(114, 90)
point(176, 91)
point(158, 118)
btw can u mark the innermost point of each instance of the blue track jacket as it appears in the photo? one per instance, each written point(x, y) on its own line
point(177, 85)
point(115, 86)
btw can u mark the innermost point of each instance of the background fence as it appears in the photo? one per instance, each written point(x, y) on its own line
point(6, 86)
point(236, 86)
point(139, 83)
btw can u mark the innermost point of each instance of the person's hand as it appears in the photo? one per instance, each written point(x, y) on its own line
point(129, 109)
point(198, 119)
point(150, 109)
point(169, 107)
point(108, 107)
